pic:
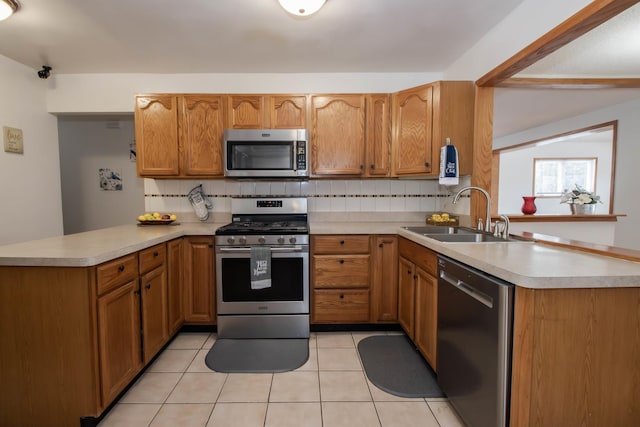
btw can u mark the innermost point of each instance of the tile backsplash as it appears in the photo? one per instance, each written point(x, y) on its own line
point(380, 195)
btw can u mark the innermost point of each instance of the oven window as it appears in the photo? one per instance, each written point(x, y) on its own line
point(286, 281)
point(274, 155)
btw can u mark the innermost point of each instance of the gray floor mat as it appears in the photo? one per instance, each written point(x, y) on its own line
point(394, 365)
point(257, 355)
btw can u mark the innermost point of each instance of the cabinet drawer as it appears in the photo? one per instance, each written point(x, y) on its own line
point(341, 271)
point(421, 256)
point(340, 306)
point(117, 272)
point(152, 257)
point(350, 244)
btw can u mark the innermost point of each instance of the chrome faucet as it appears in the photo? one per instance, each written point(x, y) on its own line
point(501, 227)
point(487, 222)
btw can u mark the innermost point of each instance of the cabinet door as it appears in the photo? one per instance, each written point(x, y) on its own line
point(287, 111)
point(378, 135)
point(341, 271)
point(155, 332)
point(406, 295)
point(340, 306)
point(245, 112)
point(202, 127)
point(338, 134)
point(426, 315)
point(175, 308)
point(412, 134)
point(199, 281)
point(384, 282)
point(156, 122)
point(119, 339)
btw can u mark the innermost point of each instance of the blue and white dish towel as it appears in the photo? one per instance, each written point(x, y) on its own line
point(260, 267)
point(448, 165)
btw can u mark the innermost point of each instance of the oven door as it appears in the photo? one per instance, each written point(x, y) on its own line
point(289, 291)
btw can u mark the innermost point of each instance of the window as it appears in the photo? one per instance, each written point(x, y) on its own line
point(553, 176)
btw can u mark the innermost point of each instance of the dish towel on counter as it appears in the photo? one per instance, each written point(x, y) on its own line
point(448, 165)
point(260, 267)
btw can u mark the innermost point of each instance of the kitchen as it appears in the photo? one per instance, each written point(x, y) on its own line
point(427, 192)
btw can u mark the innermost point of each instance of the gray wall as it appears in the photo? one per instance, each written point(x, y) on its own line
point(86, 145)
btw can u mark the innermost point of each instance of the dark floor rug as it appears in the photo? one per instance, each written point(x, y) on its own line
point(394, 365)
point(257, 355)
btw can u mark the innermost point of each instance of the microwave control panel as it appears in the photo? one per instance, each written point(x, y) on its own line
point(301, 155)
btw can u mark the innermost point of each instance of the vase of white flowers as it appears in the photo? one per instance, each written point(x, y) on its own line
point(581, 201)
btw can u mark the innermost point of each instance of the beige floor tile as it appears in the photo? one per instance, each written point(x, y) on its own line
point(405, 414)
point(313, 340)
point(187, 415)
point(152, 387)
point(209, 342)
point(246, 388)
point(349, 414)
point(294, 415)
point(382, 396)
point(198, 364)
point(130, 415)
point(173, 361)
point(334, 340)
point(297, 386)
point(198, 387)
point(312, 363)
point(359, 336)
point(338, 359)
point(189, 341)
point(343, 386)
point(445, 414)
point(238, 415)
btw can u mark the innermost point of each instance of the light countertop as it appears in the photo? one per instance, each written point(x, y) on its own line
point(523, 263)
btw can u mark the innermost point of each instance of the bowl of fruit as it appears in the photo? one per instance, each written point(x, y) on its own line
point(156, 218)
point(442, 219)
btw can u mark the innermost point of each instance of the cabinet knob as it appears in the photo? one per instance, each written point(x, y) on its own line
point(427, 164)
point(136, 292)
point(155, 253)
point(361, 167)
point(408, 271)
point(381, 245)
point(341, 261)
point(121, 268)
point(415, 277)
point(148, 286)
point(342, 242)
point(372, 166)
point(341, 296)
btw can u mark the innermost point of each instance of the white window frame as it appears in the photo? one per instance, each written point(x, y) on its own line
point(561, 184)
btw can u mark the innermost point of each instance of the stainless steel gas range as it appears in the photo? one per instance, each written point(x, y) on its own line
point(262, 269)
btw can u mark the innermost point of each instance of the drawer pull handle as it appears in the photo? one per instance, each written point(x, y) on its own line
point(342, 242)
point(155, 253)
point(341, 261)
point(121, 268)
point(381, 245)
point(148, 286)
point(408, 271)
point(373, 166)
point(136, 292)
point(427, 164)
point(341, 296)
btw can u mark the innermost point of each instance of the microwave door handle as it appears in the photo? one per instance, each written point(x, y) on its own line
point(294, 157)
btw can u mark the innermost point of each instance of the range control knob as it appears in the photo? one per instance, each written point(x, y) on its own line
point(261, 240)
point(281, 240)
point(231, 240)
point(243, 240)
point(292, 240)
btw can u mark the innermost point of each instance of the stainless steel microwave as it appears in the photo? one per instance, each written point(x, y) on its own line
point(266, 153)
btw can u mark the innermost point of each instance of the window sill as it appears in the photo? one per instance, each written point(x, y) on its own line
point(562, 218)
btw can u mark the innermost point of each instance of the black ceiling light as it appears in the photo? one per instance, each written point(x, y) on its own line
point(45, 72)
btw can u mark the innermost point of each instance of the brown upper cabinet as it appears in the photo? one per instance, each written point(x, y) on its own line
point(378, 138)
point(423, 118)
point(179, 135)
point(337, 134)
point(266, 111)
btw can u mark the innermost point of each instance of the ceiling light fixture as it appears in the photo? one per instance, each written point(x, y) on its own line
point(301, 7)
point(8, 8)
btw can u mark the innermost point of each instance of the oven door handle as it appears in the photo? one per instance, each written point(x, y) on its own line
point(273, 249)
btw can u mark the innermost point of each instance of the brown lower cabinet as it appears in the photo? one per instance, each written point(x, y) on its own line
point(175, 289)
point(418, 297)
point(199, 281)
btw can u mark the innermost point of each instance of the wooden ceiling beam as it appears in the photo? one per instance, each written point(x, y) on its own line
point(569, 83)
point(575, 26)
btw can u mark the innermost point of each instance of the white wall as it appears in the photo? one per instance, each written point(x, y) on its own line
point(627, 176)
point(516, 174)
point(87, 144)
point(30, 182)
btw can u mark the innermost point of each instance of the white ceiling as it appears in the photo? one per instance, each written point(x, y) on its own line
point(257, 36)
point(209, 36)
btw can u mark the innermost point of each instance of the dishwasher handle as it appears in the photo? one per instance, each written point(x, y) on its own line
point(467, 289)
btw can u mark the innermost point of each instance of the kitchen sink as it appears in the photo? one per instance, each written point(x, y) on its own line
point(439, 229)
point(466, 238)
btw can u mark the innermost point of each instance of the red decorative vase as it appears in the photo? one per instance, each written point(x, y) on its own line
point(529, 206)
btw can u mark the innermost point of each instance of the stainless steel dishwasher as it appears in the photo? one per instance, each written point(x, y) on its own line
point(475, 320)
